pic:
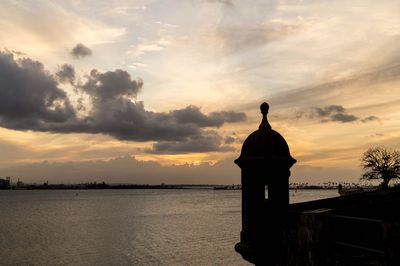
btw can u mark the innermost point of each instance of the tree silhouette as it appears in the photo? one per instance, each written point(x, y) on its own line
point(381, 163)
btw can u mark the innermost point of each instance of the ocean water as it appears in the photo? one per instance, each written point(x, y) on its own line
point(124, 227)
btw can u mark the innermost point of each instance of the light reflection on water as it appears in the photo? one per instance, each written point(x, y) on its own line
point(124, 227)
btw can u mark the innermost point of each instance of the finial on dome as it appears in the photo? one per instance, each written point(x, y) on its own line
point(264, 107)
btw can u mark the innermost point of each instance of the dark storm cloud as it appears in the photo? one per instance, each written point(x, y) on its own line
point(29, 96)
point(113, 112)
point(127, 120)
point(80, 51)
point(207, 142)
point(30, 99)
point(66, 73)
point(111, 85)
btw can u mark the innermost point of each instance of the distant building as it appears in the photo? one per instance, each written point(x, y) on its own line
point(5, 183)
point(20, 184)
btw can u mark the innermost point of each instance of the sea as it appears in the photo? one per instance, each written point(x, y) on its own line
point(124, 227)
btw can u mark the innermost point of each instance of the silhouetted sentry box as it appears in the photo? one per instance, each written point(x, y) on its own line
point(265, 161)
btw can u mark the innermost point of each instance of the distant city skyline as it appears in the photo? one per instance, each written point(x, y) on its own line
point(167, 91)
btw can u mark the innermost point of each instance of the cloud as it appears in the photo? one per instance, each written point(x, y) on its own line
point(328, 110)
point(147, 46)
point(229, 140)
point(110, 85)
point(362, 90)
point(208, 142)
point(80, 51)
point(66, 73)
point(228, 3)
point(335, 113)
point(115, 113)
point(126, 169)
point(136, 65)
point(49, 28)
point(344, 118)
point(356, 87)
point(370, 118)
point(30, 99)
point(192, 114)
point(330, 113)
point(242, 37)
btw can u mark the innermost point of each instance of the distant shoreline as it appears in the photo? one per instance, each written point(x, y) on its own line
point(102, 185)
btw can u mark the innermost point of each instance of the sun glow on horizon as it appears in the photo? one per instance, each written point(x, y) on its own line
point(144, 81)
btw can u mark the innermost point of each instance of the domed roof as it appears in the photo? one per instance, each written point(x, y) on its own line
point(265, 145)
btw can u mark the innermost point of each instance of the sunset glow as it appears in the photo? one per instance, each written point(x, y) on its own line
point(178, 84)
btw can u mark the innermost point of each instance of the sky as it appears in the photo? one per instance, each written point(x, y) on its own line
point(167, 91)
